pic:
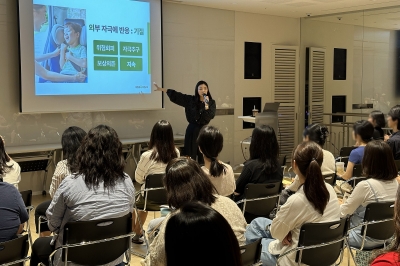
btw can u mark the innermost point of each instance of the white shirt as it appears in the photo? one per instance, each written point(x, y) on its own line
point(292, 215)
point(12, 175)
point(147, 166)
point(328, 167)
point(363, 194)
point(225, 183)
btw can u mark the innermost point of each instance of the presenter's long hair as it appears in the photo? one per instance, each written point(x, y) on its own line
point(211, 142)
point(308, 157)
point(4, 159)
point(196, 93)
point(162, 142)
point(188, 232)
point(264, 147)
point(99, 158)
point(71, 141)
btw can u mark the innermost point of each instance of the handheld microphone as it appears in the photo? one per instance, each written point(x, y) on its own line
point(205, 99)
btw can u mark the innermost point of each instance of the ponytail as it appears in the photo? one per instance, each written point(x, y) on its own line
point(314, 187)
point(217, 168)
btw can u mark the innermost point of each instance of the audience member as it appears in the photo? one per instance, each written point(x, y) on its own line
point(377, 119)
point(98, 189)
point(362, 134)
point(161, 151)
point(210, 143)
point(392, 256)
point(12, 212)
point(394, 140)
point(314, 202)
point(263, 166)
point(380, 186)
point(10, 171)
point(70, 142)
point(187, 235)
point(317, 133)
point(185, 182)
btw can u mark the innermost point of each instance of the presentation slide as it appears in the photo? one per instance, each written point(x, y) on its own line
point(95, 49)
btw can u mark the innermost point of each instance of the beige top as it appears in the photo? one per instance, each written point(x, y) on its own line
point(225, 183)
point(12, 175)
point(61, 171)
point(225, 206)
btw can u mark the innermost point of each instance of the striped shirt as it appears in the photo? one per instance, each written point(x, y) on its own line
point(147, 166)
point(73, 201)
point(61, 171)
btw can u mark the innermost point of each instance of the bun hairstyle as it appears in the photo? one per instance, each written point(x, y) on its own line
point(211, 142)
point(364, 129)
point(308, 157)
point(317, 133)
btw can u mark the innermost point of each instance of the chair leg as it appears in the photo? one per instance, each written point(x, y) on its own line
point(352, 256)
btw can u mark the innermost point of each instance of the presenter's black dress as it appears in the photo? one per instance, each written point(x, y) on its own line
point(196, 115)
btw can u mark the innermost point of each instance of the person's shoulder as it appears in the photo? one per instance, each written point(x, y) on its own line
point(328, 154)
point(222, 201)
point(388, 259)
point(252, 163)
point(147, 154)
point(227, 167)
point(4, 186)
point(205, 170)
point(62, 163)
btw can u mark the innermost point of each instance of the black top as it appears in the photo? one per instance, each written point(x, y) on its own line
point(195, 110)
point(394, 143)
point(253, 172)
point(12, 211)
point(378, 133)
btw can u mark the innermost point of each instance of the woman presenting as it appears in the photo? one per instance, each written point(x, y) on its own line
point(199, 109)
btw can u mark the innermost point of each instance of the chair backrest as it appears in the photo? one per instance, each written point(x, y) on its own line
point(345, 160)
point(282, 160)
point(99, 253)
point(251, 253)
point(376, 212)
point(14, 250)
point(330, 178)
point(263, 207)
point(158, 196)
point(318, 233)
point(345, 151)
point(357, 170)
point(27, 197)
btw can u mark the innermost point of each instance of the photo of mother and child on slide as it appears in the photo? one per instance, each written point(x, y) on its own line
point(60, 44)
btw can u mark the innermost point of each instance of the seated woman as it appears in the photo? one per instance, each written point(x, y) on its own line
point(314, 202)
point(377, 119)
point(161, 151)
point(381, 185)
point(392, 256)
point(362, 134)
point(10, 171)
point(263, 166)
point(70, 141)
point(210, 143)
point(98, 189)
point(317, 133)
point(12, 212)
point(187, 235)
point(185, 182)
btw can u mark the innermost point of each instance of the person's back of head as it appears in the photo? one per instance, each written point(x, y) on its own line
point(162, 142)
point(4, 158)
point(187, 238)
point(378, 161)
point(211, 142)
point(307, 161)
point(185, 181)
point(394, 114)
point(317, 133)
point(377, 118)
point(264, 147)
point(70, 142)
point(363, 129)
point(99, 158)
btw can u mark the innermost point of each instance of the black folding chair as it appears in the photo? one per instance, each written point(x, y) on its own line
point(27, 199)
point(377, 224)
point(357, 177)
point(260, 200)
point(282, 160)
point(320, 244)
point(345, 151)
point(251, 253)
point(14, 252)
point(96, 242)
point(330, 178)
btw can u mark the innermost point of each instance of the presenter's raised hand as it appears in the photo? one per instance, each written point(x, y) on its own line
point(158, 88)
